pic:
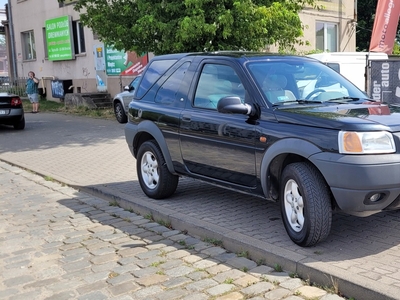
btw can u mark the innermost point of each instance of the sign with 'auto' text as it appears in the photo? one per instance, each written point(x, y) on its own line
point(59, 38)
point(384, 81)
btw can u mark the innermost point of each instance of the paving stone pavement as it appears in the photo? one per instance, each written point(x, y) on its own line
point(361, 256)
point(59, 243)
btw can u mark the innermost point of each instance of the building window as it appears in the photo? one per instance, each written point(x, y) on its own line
point(79, 37)
point(28, 45)
point(326, 37)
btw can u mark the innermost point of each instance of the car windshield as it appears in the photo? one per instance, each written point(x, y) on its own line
point(293, 81)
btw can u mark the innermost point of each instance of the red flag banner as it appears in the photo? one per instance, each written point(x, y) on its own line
point(385, 26)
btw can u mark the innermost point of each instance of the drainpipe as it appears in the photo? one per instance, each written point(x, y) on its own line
point(355, 10)
point(12, 41)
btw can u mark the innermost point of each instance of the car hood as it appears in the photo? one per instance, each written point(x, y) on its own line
point(348, 116)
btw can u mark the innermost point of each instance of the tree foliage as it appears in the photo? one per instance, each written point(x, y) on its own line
point(194, 25)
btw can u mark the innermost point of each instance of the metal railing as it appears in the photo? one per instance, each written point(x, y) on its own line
point(16, 86)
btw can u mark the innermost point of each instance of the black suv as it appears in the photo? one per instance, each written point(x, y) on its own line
point(284, 128)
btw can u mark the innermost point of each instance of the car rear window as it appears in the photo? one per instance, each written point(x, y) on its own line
point(154, 71)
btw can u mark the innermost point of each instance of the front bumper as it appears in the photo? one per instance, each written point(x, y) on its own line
point(353, 179)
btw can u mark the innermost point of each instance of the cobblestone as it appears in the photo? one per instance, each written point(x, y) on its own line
point(87, 263)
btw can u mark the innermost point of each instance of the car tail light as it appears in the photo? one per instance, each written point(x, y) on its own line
point(16, 101)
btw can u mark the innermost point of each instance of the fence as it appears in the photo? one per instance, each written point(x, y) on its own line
point(16, 86)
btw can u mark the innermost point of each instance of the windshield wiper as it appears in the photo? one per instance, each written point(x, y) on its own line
point(300, 101)
point(344, 99)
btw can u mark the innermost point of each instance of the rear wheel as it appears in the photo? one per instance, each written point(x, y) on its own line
point(120, 113)
point(20, 125)
point(154, 177)
point(305, 204)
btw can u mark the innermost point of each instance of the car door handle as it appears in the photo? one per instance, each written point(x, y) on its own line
point(186, 118)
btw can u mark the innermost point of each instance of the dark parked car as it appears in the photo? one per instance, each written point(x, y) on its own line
point(284, 128)
point(121, 100)
point(11, 111)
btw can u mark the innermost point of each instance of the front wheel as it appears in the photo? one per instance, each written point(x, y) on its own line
point(154, 177)
point(120, 114)
point(305, 204)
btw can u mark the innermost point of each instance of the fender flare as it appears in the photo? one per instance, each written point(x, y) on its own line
point(152, 129)
point(285, 146)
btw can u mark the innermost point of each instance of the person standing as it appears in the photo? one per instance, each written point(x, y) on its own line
point(33, 92)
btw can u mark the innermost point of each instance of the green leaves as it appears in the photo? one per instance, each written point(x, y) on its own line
point(194, 25)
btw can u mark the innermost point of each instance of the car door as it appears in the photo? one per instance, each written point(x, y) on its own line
point(216, 145)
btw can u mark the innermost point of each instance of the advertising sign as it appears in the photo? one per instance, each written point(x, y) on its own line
point(385, 26)
point(59, 38)
point(60, 87)
point(124, 62)
point(384, 81)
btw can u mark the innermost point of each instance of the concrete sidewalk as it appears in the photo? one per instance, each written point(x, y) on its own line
point(361, 257)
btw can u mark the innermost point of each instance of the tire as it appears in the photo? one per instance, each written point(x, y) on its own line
point(305, 204)
point(20, 125)
point(154, 177)
point(119, 112)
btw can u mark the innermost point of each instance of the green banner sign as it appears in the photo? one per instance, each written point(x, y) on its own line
point(124, 62)
point(59, 38)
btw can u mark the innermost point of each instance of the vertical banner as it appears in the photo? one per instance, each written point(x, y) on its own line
point(385, 26)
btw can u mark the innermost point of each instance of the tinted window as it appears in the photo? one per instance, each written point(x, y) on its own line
point(167, 92)
point(216, 82)
point(155, 70)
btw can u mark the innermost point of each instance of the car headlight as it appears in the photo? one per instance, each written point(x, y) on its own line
point(352, 142)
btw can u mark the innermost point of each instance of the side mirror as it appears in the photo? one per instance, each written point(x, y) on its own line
point(233, 105)
point(126, 88)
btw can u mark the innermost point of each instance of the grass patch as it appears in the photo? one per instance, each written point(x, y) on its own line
point(165, 223)
point(244, 254)
point(278, 268)
point(157, 263)
point(113, 203)
point(214, 242)
point(59, 107)
point(48, 178)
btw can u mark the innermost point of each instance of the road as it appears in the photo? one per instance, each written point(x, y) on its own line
point(361, 256)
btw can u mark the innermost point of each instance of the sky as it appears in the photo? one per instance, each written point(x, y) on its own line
point(2, 3)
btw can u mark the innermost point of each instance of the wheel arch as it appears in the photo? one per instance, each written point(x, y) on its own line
point(117, 100)
point(279, 155)
point(146, 131)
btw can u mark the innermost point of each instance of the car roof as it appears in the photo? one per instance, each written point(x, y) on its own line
point(242, 55)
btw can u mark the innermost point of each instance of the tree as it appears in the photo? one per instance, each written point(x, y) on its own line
point(194, 25)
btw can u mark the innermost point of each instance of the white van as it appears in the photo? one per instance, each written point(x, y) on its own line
point(351, 65)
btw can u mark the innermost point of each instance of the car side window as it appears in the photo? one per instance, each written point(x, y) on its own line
point(133, 85)
point(154, 71)
point(215, 82)
point(167, 92)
